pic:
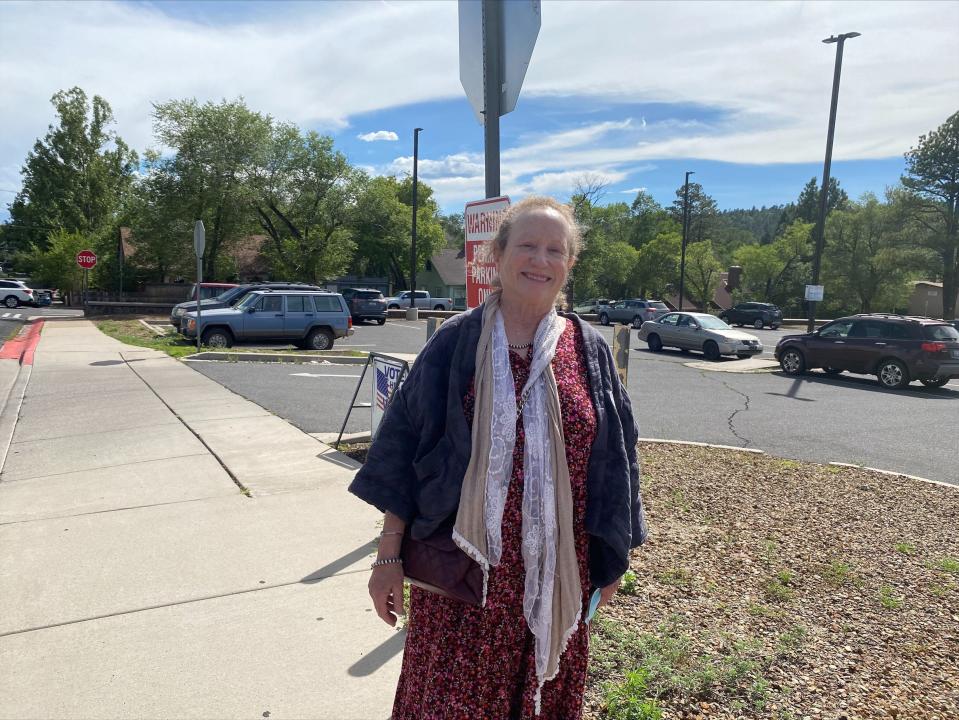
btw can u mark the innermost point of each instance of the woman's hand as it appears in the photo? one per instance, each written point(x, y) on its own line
point(606, 594)
point(386, 589)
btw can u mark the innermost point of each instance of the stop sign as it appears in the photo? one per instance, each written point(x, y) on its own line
point(86, 259)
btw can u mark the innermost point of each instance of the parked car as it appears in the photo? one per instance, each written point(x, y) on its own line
point(897, 349)
point(15, 293)
point(591, 306)
point(423, 301)
point(954, 323)
point(232, 296)
point(365, 304)
point(757, 314)
point(698, 331)
point(309, 320)
point(209, 290)
point(634, 312)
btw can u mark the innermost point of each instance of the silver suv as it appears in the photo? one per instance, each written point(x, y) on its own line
point(632, 312)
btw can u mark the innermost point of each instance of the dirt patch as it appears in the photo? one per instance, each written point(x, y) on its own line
point(772, 588)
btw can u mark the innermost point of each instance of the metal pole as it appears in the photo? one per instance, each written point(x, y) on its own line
point(824, 190)
point(416, 155)
point(682, 262)
point(492, 91)
point(199, 297)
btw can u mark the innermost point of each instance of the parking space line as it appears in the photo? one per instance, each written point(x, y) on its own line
point(317, 375)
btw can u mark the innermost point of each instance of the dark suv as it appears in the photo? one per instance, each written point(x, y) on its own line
point(756, 314)
point(231, 296)
point(365, 304)
point(897, 349)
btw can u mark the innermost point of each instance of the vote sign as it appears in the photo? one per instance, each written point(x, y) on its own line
point(87, 259)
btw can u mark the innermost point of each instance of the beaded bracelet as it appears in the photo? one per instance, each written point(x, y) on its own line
point(391, 532)
point(386, 561)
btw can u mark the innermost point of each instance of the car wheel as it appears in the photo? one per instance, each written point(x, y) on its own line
point(604, 319)
point(394, 306)
point(832, 371)
point(637, 323)
point(11, 301)
point(439, 307)
point(319, 339)
point(381, 321)
point(758, 323)
point(711, 351)
point(654, 343)
point(892, 374)
point(792, 362)
point(774, 327)
point(934, 382)
point(217, 338)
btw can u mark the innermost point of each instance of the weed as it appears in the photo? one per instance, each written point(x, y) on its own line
point(758, 610)
point(628, 700)
point(834, 469)
point(678, 500)
point(905, 548)
point(777, 591)
point(132, 332)
point(628, 585)
point(785, 577)
point(790, 640)
point(949, 565)
point(837, 573)
point(770, 552)
point(888, 600)
point(788, 464)
point(678, 577)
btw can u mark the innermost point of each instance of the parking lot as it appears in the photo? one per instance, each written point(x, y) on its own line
point(846, 418)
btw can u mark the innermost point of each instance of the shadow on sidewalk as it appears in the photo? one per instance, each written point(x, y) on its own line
point(340, 563)
point(378, 657)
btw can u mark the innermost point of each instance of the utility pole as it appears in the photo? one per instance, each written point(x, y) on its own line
point(412, 314)
point(682, 262)
point(492, 90)
point(839, 41)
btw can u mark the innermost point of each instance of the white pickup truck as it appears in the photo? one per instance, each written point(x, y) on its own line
point(422, 299)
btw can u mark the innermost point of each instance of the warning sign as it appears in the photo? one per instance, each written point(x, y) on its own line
point(481, 221)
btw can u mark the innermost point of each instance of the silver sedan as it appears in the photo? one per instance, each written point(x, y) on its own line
point(698, 331)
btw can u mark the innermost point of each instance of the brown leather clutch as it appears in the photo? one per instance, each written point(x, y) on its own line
point(437, 564)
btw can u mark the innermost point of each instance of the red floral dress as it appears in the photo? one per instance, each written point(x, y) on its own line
point(465, 662)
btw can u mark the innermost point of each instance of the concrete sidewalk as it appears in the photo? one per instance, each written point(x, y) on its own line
point(170, 549)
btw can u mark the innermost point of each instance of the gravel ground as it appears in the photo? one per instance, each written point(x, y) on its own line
point(771, 588)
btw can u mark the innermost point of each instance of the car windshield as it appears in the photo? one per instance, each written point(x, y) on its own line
point(712, 323)
point(247, 301)
point(658, 305)
point(940, 332)
point(228, 296)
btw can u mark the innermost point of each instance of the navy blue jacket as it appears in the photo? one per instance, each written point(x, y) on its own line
point(416, 465)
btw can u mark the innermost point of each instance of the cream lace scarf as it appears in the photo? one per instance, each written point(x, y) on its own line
point(552, 599)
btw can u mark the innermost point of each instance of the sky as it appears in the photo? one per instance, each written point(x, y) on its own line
point(631, 94)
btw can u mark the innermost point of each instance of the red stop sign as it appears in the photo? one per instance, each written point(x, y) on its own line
point(86, 259)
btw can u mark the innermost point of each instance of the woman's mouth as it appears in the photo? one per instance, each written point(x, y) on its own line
point(536, 277)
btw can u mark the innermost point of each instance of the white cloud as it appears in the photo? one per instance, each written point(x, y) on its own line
point(387, 135)
point(633, 191)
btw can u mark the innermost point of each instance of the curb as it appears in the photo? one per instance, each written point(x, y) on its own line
point(21, 348)
point(663, 441)
point(273, 357)
point(894, 473)
point(10, 410)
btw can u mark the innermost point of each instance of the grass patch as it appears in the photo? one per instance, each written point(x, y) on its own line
point(838, 573)
point(778, 589)
point(677, 577)
point(888, 600)
point(905, 548)
point(629, 700)
point(949, 565)
point(132, 332)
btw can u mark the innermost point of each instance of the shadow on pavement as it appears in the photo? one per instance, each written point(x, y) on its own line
point(866, 383)
point(340, 563)
point(379, 656)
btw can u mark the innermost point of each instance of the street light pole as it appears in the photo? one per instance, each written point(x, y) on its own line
point(412, 314)
point(839, 41)
point(682, 262)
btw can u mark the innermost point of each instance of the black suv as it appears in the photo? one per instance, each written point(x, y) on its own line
point(897, 349)
point(756, 314)
point(365, 304)
point(232, 296)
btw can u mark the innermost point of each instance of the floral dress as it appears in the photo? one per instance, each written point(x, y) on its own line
point(465, 662)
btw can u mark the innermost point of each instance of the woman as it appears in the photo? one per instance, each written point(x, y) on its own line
point(514, 428)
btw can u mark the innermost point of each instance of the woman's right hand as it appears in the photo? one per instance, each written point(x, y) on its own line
point(386, 589)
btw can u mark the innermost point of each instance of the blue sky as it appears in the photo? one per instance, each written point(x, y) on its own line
point(630, 93)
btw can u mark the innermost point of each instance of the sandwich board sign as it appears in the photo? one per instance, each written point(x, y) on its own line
point(388, 375)
point(481, 221)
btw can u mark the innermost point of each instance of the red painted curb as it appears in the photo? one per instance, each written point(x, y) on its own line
point(22, 347)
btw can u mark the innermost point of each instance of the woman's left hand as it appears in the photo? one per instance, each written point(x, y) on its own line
point(606, 594)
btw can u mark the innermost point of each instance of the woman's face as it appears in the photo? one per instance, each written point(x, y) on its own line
point(535, 263)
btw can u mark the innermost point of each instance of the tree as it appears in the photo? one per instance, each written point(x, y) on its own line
point(657, 265)
point(702, 272)
point(932, 169)
point(75, 177)
point(806, 207)
point(55, 264)
point(702, 212)
point(648, 219)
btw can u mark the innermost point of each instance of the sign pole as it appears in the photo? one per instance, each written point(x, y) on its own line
point(492, 91)
point(199, 245)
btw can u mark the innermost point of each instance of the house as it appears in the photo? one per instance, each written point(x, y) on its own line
point(445, 276)
point(926, 299)
point(722, 297)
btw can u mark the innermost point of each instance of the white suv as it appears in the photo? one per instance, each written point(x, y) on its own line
point(15, 292)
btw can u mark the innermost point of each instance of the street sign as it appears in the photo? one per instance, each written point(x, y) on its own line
point(199, 238)
point(481, 220)
point(521, 20)
point(388, 375)
point(87, 259)
point(814, 293)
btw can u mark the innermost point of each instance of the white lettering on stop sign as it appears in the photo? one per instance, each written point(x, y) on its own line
point(86, 259)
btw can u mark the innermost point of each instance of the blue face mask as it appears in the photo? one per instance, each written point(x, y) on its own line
point(593, 604)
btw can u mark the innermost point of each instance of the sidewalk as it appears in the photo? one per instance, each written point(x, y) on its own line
point(170, 549)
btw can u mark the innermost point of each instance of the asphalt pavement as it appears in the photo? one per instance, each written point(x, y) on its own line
point(824, 419)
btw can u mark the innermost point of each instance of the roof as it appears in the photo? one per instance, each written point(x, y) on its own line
point(450, 265)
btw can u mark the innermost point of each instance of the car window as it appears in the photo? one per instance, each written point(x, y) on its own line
point(898, 331)
point(270, 303)
point(684, 321)
point(838, 329)
point(869, 329)
point(327, 303)
point(421, 294)
point(298, 303)
point(713, 323)
point(940, 332)
point(668, 320)
point(658, 305)
point(4, 283)
point(619, 306)
point(370, 295)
